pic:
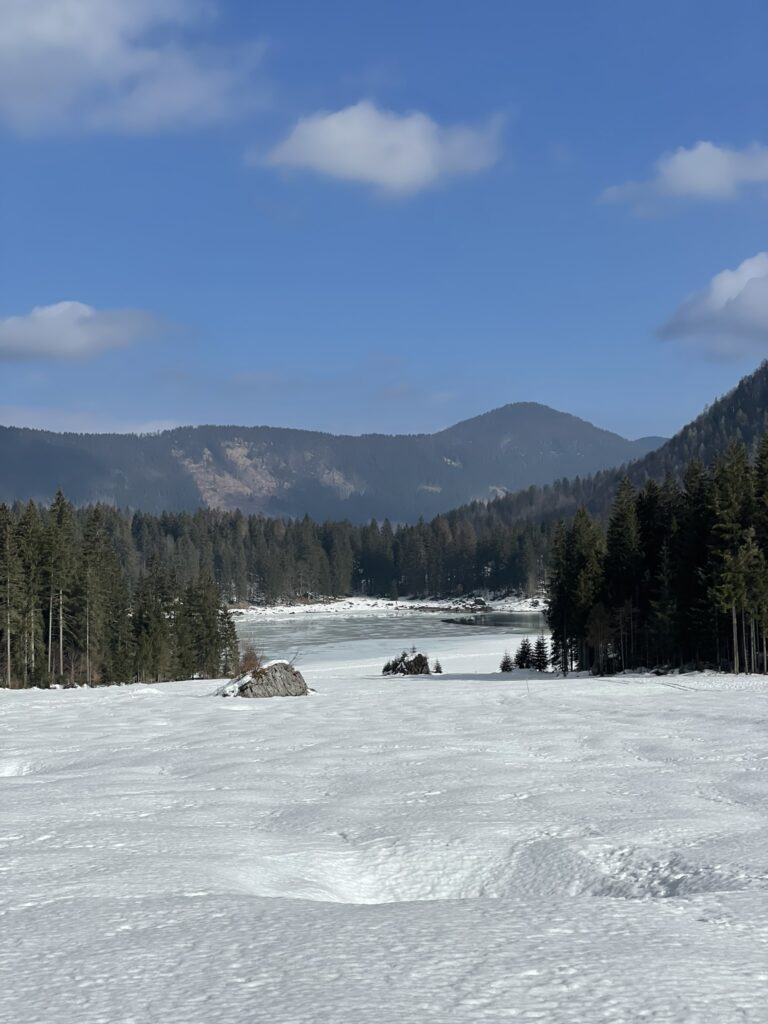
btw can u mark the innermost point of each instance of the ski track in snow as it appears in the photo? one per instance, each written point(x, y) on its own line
point(433, 850)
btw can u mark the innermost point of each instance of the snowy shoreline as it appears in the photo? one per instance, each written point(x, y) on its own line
point(389, 607)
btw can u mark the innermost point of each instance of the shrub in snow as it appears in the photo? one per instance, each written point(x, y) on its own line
point(437, 668)
point(251, 660)
point(506, 663)
point(409, 663)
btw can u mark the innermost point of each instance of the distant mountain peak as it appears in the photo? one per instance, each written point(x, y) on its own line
point(285, 471)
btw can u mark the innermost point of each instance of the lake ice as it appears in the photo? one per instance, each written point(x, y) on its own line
point(469, 847)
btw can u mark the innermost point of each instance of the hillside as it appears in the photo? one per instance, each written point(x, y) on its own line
point(740, 415)
point(284, 472)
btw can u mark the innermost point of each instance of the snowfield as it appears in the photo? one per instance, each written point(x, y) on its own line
point(441, 849)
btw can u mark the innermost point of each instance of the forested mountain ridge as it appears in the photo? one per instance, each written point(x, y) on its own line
point(285, 472)
point(740, 416)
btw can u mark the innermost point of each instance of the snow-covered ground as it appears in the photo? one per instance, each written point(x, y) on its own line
point(385, 606)
point(448, 849)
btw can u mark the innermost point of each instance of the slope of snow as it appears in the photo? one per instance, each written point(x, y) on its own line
point(446, 849)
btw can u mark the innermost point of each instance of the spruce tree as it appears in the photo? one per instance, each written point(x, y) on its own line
point(9, 593)
point(623, 570)
point(524, 654)
point(29, 545)
point(540, 658)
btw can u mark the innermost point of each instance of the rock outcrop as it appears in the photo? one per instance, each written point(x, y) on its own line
point(409, 663)
point(277, 679)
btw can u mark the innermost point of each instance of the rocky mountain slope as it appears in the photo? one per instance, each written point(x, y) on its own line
point(281, 471)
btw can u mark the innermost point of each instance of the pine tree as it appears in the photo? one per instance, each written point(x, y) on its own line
point(29, 545)
point(623, 569)
point(524, 654)
point(9, 593)
point(60, 543)
point(540, 658)
point(507, 664)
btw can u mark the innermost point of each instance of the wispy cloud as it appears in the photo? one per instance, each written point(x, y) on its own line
point(397, 153)
point(704, 172)
point(72, 330)
point(730, 316)
point(126, 66)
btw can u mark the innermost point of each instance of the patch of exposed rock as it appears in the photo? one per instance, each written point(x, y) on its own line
point(278, 679)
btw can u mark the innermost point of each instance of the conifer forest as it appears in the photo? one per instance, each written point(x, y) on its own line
point(678, 576)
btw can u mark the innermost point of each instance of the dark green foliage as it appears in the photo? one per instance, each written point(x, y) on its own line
point(437, 668)
point(575, 578)
point(408, 663)
point(681, 578)
point(524, 654)
point(507, 664)
point(540, 658)
point(79, 604)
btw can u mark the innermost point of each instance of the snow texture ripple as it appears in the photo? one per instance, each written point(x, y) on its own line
point(415, 850)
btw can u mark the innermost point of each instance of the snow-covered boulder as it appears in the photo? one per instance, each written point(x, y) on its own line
point(277, 679)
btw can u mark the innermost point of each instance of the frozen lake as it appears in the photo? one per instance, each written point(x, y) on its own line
point(367, 640)
point(459, 849)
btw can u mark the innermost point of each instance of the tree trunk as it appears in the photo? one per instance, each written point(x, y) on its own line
point(744, 639)
point(61, 632)
point(735, 624)
point(8, 631)
point(87, 641)
point(50, 633)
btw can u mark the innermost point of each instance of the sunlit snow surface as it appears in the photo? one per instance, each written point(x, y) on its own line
point(444, 849)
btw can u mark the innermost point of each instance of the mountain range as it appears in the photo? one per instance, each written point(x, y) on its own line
point(286, 472)
point(740, 416)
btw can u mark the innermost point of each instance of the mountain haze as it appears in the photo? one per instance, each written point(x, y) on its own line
point(287, 472)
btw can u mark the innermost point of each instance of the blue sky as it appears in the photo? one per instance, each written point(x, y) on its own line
point(388, 217)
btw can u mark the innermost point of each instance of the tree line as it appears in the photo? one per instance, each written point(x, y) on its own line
point(264, 560)
point(75, 608)
point(98, 594)
point(678, 576)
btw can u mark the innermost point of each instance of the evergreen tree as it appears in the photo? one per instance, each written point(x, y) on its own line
point(61, 544)
point(9, 593)
point(540, 657)
point(29, 546)
point(623, 570)
point(524, 654)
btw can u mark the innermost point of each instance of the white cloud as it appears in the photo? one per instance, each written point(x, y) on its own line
point(705, 171)
point(394, 152)
point(72, 330)
point(731, 314)
point(116, 65)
